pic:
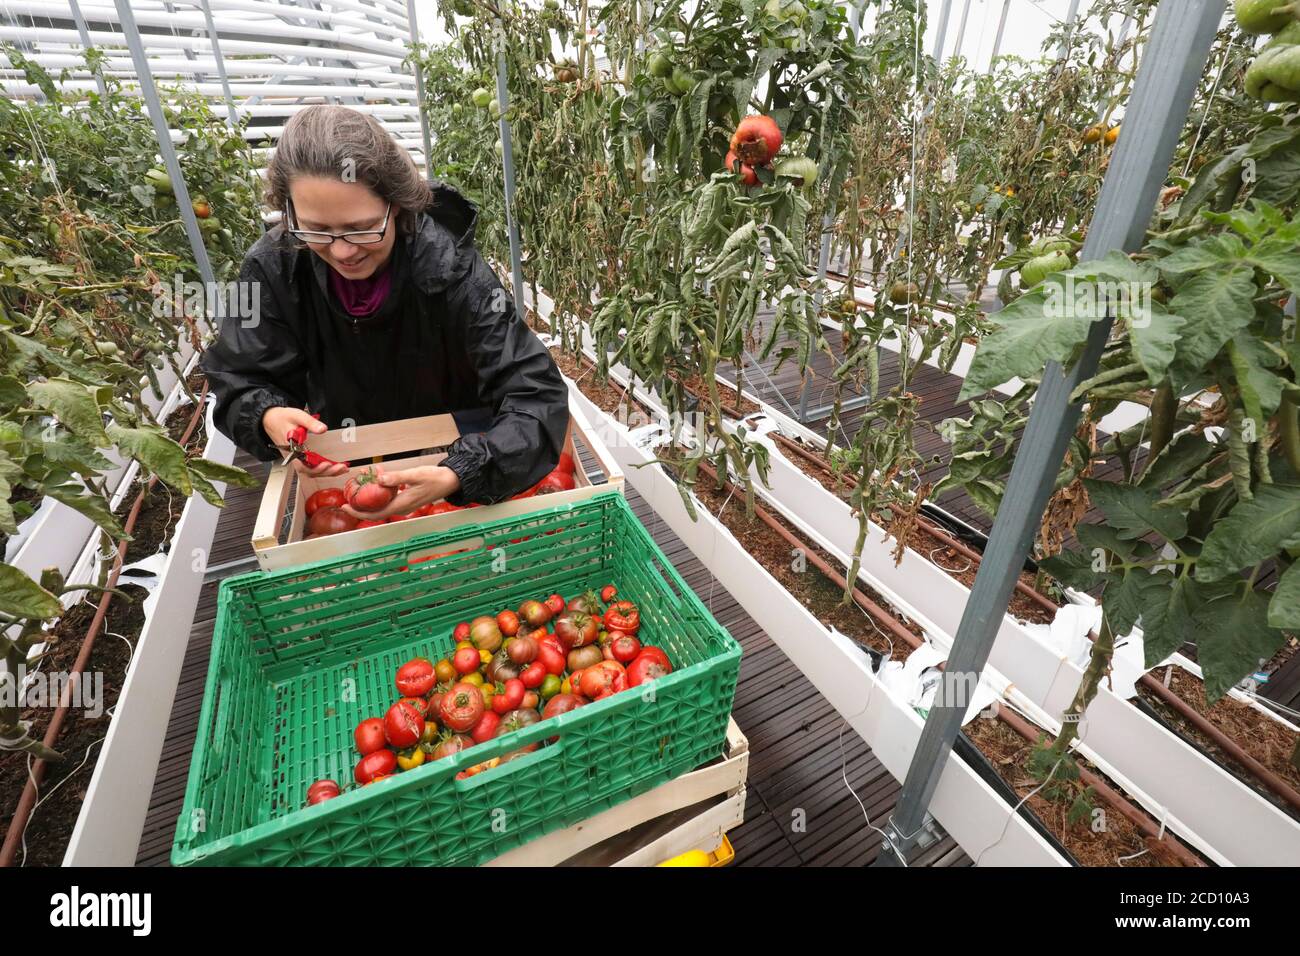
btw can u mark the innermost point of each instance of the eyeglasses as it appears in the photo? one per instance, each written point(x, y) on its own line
point(365, 237)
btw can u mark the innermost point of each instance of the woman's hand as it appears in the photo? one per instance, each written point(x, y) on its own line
point(278, 421)
point(425, 485)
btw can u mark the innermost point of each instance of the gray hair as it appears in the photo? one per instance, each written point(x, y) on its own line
point(335, 141)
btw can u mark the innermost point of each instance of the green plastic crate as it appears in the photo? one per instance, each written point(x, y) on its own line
point(300, 656)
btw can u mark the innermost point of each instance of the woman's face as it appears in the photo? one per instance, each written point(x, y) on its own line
point(329, 205)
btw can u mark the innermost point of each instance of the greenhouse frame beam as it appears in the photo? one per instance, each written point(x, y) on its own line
point(419, 90)
point(84, 32)
point(508, 173)
point(232, 116)
point(961, 29)
point(1170, 70)
point(997, 40)
point(131, 33)
point(942, 32)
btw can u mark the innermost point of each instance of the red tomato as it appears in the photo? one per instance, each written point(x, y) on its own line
point(536, 613)
point(509, 697)
point(556, 481)
point(550, 654)
point(331, 520)
point(369, 736)
point(461, 707)
point(486, 728)
point(452, 746)
point(466, 660)
point(325, 498)
point(561, 704)
point(757, 140)
point(460, 632)
point(624, 647)
point(531, 701)
point(375, 766)
point(645, 669)
point(508, 622)
point(403, 725)
point(442, 508)
point(522, 650)
point(416, 678)
point(485, 634)
point(533, 675)
point(418, 704)
point(623, 616)
point(565, 463)
point(369, 523)
point(365, 493)
point(575, 629)
point(656, 654)
point(603, 679)
point(555, 604)
point(320, 791)
point(607, 593)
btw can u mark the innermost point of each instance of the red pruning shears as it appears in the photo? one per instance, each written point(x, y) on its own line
point(298, 450)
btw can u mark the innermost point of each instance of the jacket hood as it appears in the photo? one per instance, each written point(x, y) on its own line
point(442, 246)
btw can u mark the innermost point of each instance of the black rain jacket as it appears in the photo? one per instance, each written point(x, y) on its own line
point(446, 340)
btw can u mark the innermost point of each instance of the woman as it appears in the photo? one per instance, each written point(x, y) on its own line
point(373, 305)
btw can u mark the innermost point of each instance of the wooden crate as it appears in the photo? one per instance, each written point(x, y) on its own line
point(286, 492)
point(717, 790)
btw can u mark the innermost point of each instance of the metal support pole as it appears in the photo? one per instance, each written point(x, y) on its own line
point(942, 33)
point(131, 33)
point(997, 40)
point(1162, 96)
point(1070, 18)
point(232, 112)
point(508, 167)
point(419, 90)
point(961, 29)
point(84, 32)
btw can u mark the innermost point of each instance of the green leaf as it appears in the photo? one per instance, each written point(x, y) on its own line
point(1183, 456)
point(74, 405)
point(1261, 390)
point(93, 506)
point(207, 490)
point(215, 471)
point(1169, 613)
point(1232, 636)
point(1155, 338)
point(1074, 569)
point(1132, 511)
point(1026, 336)
point(1209, 254)
point(1252, 531)
point(1123, 601)
point(12, 393)
point(1115, 266)
point(1280, 257)
point(1284, 608)
point(22, 597)
point(1093, 536)
point(1217, 305)
point(156, 452)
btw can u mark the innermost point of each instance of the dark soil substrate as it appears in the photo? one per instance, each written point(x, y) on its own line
point(1264, 739)
point(50, 825)
point(1009, 753)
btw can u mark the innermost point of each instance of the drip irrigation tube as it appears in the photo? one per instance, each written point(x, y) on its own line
point(27, 801)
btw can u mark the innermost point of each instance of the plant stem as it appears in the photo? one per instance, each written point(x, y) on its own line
point(1098, 666)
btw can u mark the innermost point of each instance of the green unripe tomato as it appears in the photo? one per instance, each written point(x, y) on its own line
point(1037, 269)
point(1257, 16)
point(481, 97)
point(659, 65)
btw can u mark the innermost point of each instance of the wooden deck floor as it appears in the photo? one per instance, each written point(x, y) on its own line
point(798, 765)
